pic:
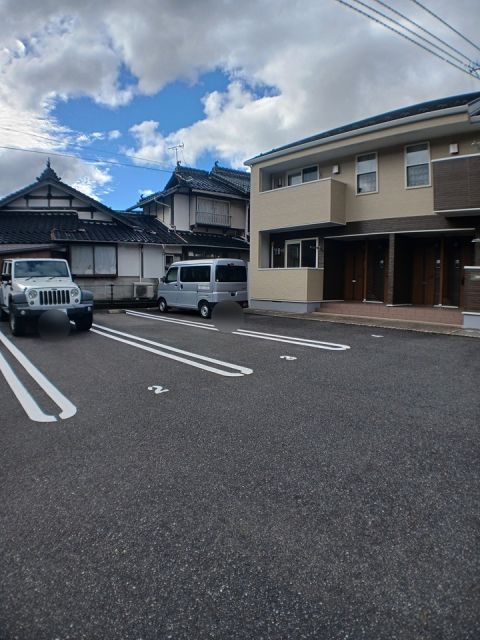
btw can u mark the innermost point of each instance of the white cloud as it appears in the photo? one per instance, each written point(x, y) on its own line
point(325, 66)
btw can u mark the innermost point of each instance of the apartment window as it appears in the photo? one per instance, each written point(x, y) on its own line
point(417, 165)
point(309, 174)
point(93, 260)
point(294, 178)
point(302, 175)
point(294, 253)
point(367, 173)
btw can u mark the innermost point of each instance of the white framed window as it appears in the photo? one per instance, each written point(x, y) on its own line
point(293, 254)
point(366, 171)
point(309, 174)
point(293, 178)
point(299, 176)
point(93, 260)
point(417, 165)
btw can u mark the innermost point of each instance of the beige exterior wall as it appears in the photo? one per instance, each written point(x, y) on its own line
point(333, 198)
point(237, 213)
point(305, 204)
point(294, 206)
point(423, 130)
point(292, 285)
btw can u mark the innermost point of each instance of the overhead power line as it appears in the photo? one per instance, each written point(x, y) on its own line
point(414, 33)
point(70, 155)
point(471, 72)
point(79, 146)
point(418, 26)
point(446, 24)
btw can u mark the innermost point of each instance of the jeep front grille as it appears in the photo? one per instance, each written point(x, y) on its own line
point(54, 296)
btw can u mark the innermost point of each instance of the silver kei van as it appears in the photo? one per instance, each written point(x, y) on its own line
point(201, 284)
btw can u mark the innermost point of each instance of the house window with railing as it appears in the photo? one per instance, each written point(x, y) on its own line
point(214, 213)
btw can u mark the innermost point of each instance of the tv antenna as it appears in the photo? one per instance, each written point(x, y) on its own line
point(176, 147)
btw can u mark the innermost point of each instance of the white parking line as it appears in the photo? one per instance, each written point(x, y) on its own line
point(302, 342)
point(23, 395)
point(237, 370)
point(188, 323)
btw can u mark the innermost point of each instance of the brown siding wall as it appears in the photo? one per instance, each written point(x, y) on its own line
point(472, 290)
point(456, 184)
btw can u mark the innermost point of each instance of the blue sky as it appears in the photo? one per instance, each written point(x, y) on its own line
point(177, 105)
point(222, 77)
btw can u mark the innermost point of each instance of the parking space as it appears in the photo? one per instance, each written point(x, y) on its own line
point(286, 479)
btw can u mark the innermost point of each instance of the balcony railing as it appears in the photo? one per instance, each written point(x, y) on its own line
point(213, 219)
point(456, 185)
point(308, 204)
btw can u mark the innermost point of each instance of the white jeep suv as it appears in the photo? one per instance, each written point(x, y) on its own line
point(29, 287)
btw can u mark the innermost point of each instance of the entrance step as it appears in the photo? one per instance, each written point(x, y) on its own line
point(441, 315)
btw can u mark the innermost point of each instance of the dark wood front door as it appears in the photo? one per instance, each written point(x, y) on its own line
point(426, 257)
point(354, 270)
point(377, 252)
point(457, 252)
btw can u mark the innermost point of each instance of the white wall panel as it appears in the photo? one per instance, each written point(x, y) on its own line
point(153, 262)
point(128, 260)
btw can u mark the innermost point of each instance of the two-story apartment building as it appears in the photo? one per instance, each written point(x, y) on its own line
point(384, 210)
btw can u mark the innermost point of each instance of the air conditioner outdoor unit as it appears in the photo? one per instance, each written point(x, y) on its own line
point(142, 290)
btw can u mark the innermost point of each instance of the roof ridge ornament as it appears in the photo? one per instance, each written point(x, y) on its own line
point(48, 173)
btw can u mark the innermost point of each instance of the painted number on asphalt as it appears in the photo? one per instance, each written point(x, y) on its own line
point(157, 388)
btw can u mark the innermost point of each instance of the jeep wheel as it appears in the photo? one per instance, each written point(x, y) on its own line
point(84, 324)
point(162, 305)
point(204, 309)
point(3, 315)
point(17, 326)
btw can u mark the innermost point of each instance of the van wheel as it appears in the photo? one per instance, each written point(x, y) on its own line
point(17, 326)
point(162, 305)
point(205, 310)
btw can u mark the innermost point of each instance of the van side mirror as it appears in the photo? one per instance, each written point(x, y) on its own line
point(162, 279)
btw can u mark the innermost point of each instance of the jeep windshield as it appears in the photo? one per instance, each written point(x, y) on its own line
point(41, 269)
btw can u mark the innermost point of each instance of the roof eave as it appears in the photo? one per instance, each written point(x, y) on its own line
point(390, 124)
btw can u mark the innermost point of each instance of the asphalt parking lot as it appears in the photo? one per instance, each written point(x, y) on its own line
point(292, 479)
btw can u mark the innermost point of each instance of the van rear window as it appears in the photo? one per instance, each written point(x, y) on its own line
point(230, 273)
point(195, 274)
